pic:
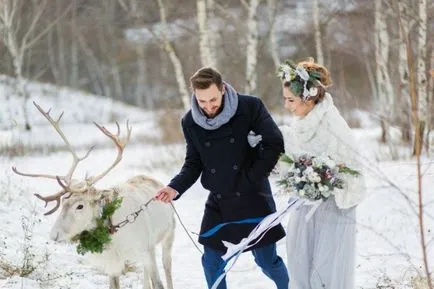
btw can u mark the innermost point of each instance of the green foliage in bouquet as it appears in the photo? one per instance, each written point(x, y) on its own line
point(313, 178)
point(94, 240)
point(346, 170)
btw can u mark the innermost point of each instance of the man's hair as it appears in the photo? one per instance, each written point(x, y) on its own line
point(205, 77)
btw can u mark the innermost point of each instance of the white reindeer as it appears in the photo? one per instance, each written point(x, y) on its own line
point(137, 240)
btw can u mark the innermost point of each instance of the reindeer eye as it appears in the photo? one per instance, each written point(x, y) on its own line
point(79, 207)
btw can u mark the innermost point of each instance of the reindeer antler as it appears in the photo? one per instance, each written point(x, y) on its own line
point(56, 197)
point(120, 145)
point(64, 181)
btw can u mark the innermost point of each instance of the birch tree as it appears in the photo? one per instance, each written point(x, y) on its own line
point(169, 49)
point(317, 32)
point(404, 100)
point(384, 95)
point(252, 47)
point(422, 93)
point(430, 125)
point(19, 38)
point(272, 12)
point(212, 31)
point(206, 45)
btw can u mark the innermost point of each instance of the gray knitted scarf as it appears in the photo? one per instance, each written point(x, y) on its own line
point(230, 104)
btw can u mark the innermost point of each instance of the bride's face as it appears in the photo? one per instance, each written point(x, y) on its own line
point(295, 105)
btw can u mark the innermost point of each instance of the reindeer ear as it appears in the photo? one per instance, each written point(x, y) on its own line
point(106, 193)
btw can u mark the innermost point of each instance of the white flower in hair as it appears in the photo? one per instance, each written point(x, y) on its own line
point(302, 73)
point(313, 91)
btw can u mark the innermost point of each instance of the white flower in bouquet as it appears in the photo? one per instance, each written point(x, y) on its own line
point(285, 168)
point(301, 193)
point(313, 178)
point(330, 163)
point(326, 194)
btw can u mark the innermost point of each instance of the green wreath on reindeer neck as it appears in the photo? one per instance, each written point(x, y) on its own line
point(96, 239)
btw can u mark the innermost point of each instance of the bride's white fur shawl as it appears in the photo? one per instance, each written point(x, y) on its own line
point(324, 131)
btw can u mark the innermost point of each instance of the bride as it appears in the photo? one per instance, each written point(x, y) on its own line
point(320, 248)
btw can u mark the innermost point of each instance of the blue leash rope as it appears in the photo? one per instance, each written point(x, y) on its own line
point(216, 228)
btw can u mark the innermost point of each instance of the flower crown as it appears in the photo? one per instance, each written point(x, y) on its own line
point(298, 78)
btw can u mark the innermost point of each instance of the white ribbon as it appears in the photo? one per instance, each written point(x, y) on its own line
point(235, 250)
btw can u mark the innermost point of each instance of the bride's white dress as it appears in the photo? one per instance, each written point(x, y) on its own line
point(321, 251)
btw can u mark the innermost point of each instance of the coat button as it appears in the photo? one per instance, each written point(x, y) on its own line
point(212, 171)
point(218, 196)
point(235, 167)
point(232, 140)
point(207, 144)
point(238, 194)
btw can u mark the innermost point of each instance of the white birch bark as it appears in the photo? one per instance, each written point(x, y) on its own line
point(274, 51)
point(252, 47)
point(207, 55)
point(430, 124)
point(421, 62)
point(167, 46)
point(384, 97)
point(404, 100)
point(317, 32)
point(212, 31)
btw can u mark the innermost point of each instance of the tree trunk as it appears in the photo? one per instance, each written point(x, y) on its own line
point(252, 47)
point(384, 100)
point(272, 13)
point(404, 101)
point(422, 95)
point(317, 31)
point(212, 32)
point(167, 46)
point(207, 55)
point(430, 122)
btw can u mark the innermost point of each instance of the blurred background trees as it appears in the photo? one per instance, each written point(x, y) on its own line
point(142, 52)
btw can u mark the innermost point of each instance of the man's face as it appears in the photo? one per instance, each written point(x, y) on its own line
point(210, 99)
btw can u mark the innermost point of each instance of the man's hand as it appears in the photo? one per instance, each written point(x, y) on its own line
point(166, 195)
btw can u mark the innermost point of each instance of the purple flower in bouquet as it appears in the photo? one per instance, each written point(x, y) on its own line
point(313, 178)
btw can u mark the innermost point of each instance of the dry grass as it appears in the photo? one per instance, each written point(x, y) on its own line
point(169, 121)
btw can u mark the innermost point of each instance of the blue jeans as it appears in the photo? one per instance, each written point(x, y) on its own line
point(266, 258)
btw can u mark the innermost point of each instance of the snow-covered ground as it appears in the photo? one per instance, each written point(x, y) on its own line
point(389, 253)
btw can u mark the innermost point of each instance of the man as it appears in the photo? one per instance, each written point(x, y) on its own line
point(215, 130)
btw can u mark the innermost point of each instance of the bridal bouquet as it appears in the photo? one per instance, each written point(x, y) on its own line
point(312, 178)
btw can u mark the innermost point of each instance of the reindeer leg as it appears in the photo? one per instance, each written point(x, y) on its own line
point(146, 270)
point(167, 256)
point(114, 282)
point(155, 277)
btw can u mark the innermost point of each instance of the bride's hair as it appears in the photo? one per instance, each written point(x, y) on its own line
point(324, 78)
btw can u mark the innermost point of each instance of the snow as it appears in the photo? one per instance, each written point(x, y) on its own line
point(388, 233)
